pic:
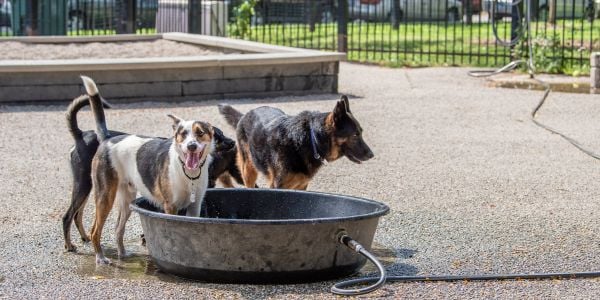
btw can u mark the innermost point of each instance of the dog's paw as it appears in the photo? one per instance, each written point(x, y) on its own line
point(86, 239)
point(70, 248)
point(124, 254)
point(102, 260)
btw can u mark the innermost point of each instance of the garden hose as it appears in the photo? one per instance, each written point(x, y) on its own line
point(520, 32)
point(374, 283)
point(531, 70)
point(341, 288)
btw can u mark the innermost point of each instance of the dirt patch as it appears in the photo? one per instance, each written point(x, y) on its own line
point(141, 49)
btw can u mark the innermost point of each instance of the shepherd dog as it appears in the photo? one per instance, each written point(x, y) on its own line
point(289, 150)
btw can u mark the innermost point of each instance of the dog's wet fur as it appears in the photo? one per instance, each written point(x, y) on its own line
point(221, 167)
point(281, 147)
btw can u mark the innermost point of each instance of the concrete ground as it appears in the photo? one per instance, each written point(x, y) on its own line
point(473, 185)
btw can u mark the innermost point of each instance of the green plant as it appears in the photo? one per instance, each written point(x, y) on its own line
point(546, 50)
point(243, 14)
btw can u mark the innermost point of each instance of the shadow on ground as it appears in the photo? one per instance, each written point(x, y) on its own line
point(62, 105)
point(139, 266)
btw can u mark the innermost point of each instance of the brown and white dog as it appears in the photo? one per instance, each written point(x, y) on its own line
point(171, 173)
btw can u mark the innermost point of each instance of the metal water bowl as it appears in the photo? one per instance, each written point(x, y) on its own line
point(262, 236)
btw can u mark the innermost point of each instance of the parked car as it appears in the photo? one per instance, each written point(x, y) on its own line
point(565, 9)
point(101, 14)
point(294, 11)
point(5, 17)
point(381, 10)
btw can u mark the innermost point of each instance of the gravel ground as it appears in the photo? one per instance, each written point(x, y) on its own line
point(140, 49)
point(474, 188)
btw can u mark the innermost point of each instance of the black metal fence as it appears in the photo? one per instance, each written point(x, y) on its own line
point(394, 32)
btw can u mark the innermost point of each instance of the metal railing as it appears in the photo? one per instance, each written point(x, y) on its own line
point(395, 32)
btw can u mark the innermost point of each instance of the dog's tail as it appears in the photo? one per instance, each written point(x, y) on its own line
point(231, 115)
point(96, 103)
point(74, 108)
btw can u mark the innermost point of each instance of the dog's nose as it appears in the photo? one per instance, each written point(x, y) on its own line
point(192, 146)
point(370, 154)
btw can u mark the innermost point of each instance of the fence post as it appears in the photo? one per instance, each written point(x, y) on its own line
point(31, 19)
point(395, 17)
point(342, 21)
point(194, 16)
point(469, 11)
point(514, 26)
point(313, 11)
point(125, 10)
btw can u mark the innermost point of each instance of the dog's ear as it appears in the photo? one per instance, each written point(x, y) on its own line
point(176, 121)
point(339, 112)
point(346, 102)
point(218, 136)
point(212, 130)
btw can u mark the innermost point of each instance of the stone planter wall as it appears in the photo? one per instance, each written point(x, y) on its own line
point(260, 71)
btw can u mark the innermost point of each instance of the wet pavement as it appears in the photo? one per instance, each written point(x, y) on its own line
point(474, 188)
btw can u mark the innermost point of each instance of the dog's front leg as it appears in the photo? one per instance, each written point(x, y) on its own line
point(193, 210)
point(169, 208)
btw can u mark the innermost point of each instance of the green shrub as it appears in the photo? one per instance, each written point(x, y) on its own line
point(546, 53)
point(243, 16)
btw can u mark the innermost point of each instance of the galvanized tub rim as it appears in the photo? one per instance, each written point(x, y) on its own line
point(382, 209)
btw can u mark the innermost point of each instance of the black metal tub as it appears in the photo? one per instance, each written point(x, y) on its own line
point(262, 236)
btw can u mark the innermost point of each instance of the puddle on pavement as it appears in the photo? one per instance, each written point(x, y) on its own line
point(579, 88)
point(138, 266)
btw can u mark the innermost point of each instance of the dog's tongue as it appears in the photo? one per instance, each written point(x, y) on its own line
point(192, 161)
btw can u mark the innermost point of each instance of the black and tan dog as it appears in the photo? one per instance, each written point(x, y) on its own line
point(289, 150)
point(222, 167)
point(171, 173)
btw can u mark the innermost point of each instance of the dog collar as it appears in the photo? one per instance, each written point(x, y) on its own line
point(313, 142)
point(186, 175)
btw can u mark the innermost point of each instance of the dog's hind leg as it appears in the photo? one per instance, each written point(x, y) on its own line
point(67, 220)
point(106, 183)
point(104, 203)
point(247, 168)
point(124, 197)
point(79, 223)
point(82, 185)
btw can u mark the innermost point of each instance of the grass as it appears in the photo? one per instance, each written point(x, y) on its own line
point(436, 43)
point(430, 44)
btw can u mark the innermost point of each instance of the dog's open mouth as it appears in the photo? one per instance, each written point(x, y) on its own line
point(192, 159)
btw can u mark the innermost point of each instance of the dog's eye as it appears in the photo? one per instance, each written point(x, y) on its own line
point(183, 133)
point(199, 133)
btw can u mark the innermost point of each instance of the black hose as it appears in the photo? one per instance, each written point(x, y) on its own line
point(531, 69)
point(568, 139)
point(339, 288)
point(520, 32)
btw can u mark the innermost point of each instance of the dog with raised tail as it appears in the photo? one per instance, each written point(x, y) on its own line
point(222, 167)
point(171, 173)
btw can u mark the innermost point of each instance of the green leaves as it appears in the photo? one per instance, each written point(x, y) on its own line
point(243, 15)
